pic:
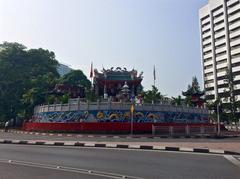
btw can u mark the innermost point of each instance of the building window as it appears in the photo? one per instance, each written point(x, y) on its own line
point(218, 23)
point(234, 21)
point(208, 81)
point(208, 67)
point(218, 15)
point(219, 38)
point(206, 38)
point(207, 45)
point(234, 12)
point(205, 24)
point(208, 74)
point(208, 59)
point(219, 7)
point(220, 45)
point(221, 61)
point(234, 30)
point(235, 47)
point(207, 52)
point(221, 53)
point(235, 38)
point(235, 56)
point(233, 4)
point(219, 30)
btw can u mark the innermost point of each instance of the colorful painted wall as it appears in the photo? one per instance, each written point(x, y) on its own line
point(119, 116)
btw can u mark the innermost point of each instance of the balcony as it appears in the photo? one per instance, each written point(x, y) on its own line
point(235, 51)
point(221, 90)
point(222, 73)
point(206, 34)
point(237, 78)
point(221, 57)
point(235, 42)
point(233, 17)
point(234, 8)
point(208, 70)
point(236, 33)
point(234, 25)
point(207, 48)
point(208, 78)
point(219, 34)
point(207, 55)
point(206, 27)
point(221, 49)
point(222, 65)
point(209, 85)
point(230, 2)
point(235, 69)
point(216, 20)
point(221, 82)
point(219, 26)
point(207, 41)
point(218, 42)
point(208, 63)
point(215, 13)
point(236, 60)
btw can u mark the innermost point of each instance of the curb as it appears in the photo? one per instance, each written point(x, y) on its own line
point(119, 136)
point(122, 146)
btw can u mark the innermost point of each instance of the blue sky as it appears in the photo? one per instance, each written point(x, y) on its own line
point(110, 33)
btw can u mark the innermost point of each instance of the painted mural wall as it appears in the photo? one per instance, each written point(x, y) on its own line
point(119, 116)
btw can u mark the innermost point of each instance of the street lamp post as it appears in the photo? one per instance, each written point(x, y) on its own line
point(218, 121)
point(132, 111)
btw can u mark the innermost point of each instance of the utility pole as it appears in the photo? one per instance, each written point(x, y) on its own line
point(218, 120)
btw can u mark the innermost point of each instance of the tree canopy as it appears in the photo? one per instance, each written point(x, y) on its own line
point(152, 95)
point(74, 78)
point(24, 76)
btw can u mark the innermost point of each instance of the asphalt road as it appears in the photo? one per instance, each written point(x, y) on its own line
point(24, 161)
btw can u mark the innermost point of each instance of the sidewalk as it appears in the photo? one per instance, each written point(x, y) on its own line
point(229, 144)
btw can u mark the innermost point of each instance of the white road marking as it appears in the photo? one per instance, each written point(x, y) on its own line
point(68, 169)
point(232, 160)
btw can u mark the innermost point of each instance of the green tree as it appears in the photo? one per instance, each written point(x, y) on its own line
point(22, 72)
point(38, 93)
point(75, 78)
point(231, 100)
point(153, 95)
point(177, 101)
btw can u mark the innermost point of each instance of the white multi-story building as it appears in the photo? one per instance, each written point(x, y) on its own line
point(220, 42)
point(63, 69)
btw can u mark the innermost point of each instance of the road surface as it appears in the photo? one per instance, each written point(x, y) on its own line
point(38, 162)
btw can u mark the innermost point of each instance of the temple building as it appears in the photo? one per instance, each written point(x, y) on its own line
point(117, 83)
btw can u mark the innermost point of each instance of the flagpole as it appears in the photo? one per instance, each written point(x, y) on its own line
point(91, 74)
point(154, 76)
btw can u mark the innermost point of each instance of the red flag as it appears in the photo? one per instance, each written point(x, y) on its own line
point(91, 72)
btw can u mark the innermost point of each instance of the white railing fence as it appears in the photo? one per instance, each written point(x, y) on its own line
point(183, 130)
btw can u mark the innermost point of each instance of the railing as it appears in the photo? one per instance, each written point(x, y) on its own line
point(233, 127)
point(183, 130)
point(79, 105)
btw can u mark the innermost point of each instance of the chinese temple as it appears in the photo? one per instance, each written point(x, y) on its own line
point(116, 83)
point(194, 94)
